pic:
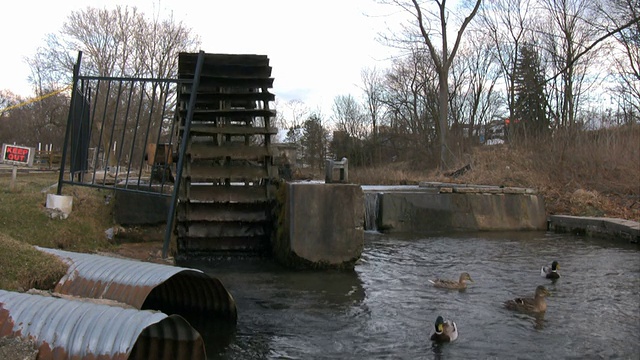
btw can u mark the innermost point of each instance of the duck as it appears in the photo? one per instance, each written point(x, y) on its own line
point(550, 272)
point(446, 331)
point(535, 305)
point(461, 284)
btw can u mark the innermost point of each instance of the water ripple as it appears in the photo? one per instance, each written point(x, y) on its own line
point(386, 308)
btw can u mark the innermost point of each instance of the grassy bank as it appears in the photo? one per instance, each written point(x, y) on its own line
point(23, 214)
point(23, 267)
point(24, 221)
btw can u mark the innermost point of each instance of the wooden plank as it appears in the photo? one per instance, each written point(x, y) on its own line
point(234, 245)
point(230, 70)
point(203, 115)
point(226, 194)
point(189, 60)
point(202, 151)
point(211, 129)
point(222, 229)
point(212, 98)
point(209, 83)
point(222, 212)
point(202, 173)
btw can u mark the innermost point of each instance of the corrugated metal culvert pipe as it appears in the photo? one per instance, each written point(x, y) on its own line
point(74, 329)
point(171, 289)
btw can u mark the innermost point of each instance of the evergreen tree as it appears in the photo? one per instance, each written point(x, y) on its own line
point(313, 141)
point(530, 116)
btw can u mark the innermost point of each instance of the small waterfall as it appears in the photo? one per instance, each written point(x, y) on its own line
point(371, 209)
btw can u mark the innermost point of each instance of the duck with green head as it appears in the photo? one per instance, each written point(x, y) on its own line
point(446, 331)
point(551, 272)
point(460, 284)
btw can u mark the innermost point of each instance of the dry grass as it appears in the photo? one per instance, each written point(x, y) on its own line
point(584, 174)
point(23, 214)
point(390, 174)
point(588, 174)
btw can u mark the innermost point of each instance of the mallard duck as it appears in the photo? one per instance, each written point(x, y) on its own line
point(446, 331)
point(452, 284)
point(536, 304)
point(550, 272)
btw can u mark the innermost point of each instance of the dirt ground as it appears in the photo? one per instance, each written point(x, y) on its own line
point(142, 243)
point(17, 349)
point(145, 251)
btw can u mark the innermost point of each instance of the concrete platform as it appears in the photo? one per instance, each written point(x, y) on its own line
point(612, 228)
point(320, 226)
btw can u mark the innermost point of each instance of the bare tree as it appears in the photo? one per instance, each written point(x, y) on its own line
point(118, 43)
point(509, 23)
point(474, 98)
point(349, 117)
point(352, 128)
point(291, 114)
point(32, 122)
point(7, 100)
point(410, 99)
point(627, 62)
point(122, 42)
point(372, 85)
point(442, 55)
point(569, 29)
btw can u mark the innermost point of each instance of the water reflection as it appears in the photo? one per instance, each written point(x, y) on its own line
point(538, 321)
point(385, 308)
point(436, 349)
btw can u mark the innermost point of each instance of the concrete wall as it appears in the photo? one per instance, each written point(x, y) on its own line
point(140, 209)
point(447, 209)
point(320, 225)
point(611, 228)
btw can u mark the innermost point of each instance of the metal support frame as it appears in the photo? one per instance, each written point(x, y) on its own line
point(91, 91)
point(183, 149)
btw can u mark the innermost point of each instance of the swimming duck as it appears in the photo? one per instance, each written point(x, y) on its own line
point(536, 304)
point(550, 272)
point(452, 284)
point(446, 331)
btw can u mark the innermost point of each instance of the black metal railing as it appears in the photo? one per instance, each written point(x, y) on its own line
point(121, 135)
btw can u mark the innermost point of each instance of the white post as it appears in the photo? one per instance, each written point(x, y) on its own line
point(14, 174)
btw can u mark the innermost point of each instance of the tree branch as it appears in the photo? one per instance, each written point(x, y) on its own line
point(591, 46)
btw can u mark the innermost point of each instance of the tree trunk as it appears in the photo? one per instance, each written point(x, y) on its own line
point(443, 104)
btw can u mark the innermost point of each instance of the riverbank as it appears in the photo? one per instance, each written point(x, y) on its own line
point(594, 174)
point(25, 221)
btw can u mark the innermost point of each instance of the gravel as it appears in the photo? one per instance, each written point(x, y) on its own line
point(17, 349)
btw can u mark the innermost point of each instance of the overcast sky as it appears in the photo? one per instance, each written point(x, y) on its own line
point(317, 48)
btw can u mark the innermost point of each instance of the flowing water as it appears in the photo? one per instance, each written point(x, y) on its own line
point(385, 308)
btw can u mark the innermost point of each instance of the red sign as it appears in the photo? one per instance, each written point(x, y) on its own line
point(17, 155)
